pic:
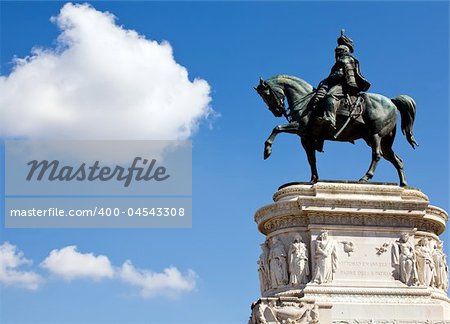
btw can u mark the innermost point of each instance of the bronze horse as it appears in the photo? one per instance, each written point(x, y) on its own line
point(376, 125)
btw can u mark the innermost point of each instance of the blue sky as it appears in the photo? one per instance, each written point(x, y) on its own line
point(402, 48)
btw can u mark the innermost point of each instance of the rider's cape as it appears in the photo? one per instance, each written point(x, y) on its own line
point(363, 84)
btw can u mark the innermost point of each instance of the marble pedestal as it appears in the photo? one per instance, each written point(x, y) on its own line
point(351, 253)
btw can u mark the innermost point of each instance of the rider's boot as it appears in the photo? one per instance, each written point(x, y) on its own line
point(330, 111)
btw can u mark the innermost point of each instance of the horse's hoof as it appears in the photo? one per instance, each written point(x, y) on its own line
point(313, 180)
point(363, 180)
point(403, 184)
point(267, 153)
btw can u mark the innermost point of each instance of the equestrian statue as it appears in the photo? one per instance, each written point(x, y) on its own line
point(339, 109)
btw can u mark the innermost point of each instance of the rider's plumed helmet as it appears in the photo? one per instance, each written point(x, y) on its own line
point(345, 41)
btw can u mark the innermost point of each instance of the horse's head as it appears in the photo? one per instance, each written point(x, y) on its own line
point(274, 99)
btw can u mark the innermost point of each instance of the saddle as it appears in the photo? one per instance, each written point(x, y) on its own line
point(352, 106)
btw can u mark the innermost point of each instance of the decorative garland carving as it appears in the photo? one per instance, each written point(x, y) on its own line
point(277, 223)
point(284, 222)
point(429, 226)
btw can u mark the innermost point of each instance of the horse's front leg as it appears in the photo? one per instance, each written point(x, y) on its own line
point(291, 128)
point(308, 145)
point(375, 143)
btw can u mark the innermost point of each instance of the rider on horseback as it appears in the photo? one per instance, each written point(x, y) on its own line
point(345, 79)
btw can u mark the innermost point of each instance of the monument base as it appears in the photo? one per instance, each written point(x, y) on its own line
point(351, 253)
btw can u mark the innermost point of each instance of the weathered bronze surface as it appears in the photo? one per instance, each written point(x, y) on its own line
point(339, 110)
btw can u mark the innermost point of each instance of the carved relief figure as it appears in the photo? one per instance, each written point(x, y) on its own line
point(263, 268)
point(425, 263)
point(257, 316)
point(298, 262)
point(279, 312)
point(441, 267)
point(277, 264)
point(325, 259)
point(404, 260)
point(444, 270)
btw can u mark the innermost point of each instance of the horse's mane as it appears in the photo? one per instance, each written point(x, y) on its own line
point(299, 82)
point(298, 99)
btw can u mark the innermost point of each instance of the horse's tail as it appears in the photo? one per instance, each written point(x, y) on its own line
point(407, 107)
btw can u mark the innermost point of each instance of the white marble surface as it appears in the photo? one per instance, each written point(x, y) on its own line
point(381, 259)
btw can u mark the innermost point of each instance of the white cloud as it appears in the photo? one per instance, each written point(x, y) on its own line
point(101, 82)
point(10, 260)
point(169, 283)
point(70, 264)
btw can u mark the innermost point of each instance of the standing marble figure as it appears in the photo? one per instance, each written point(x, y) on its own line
point(404, 260)
point(425, 264)
point(277, 264)
point(298, 262)
point(263, 268)
point(441, 267)
point(325, 259)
